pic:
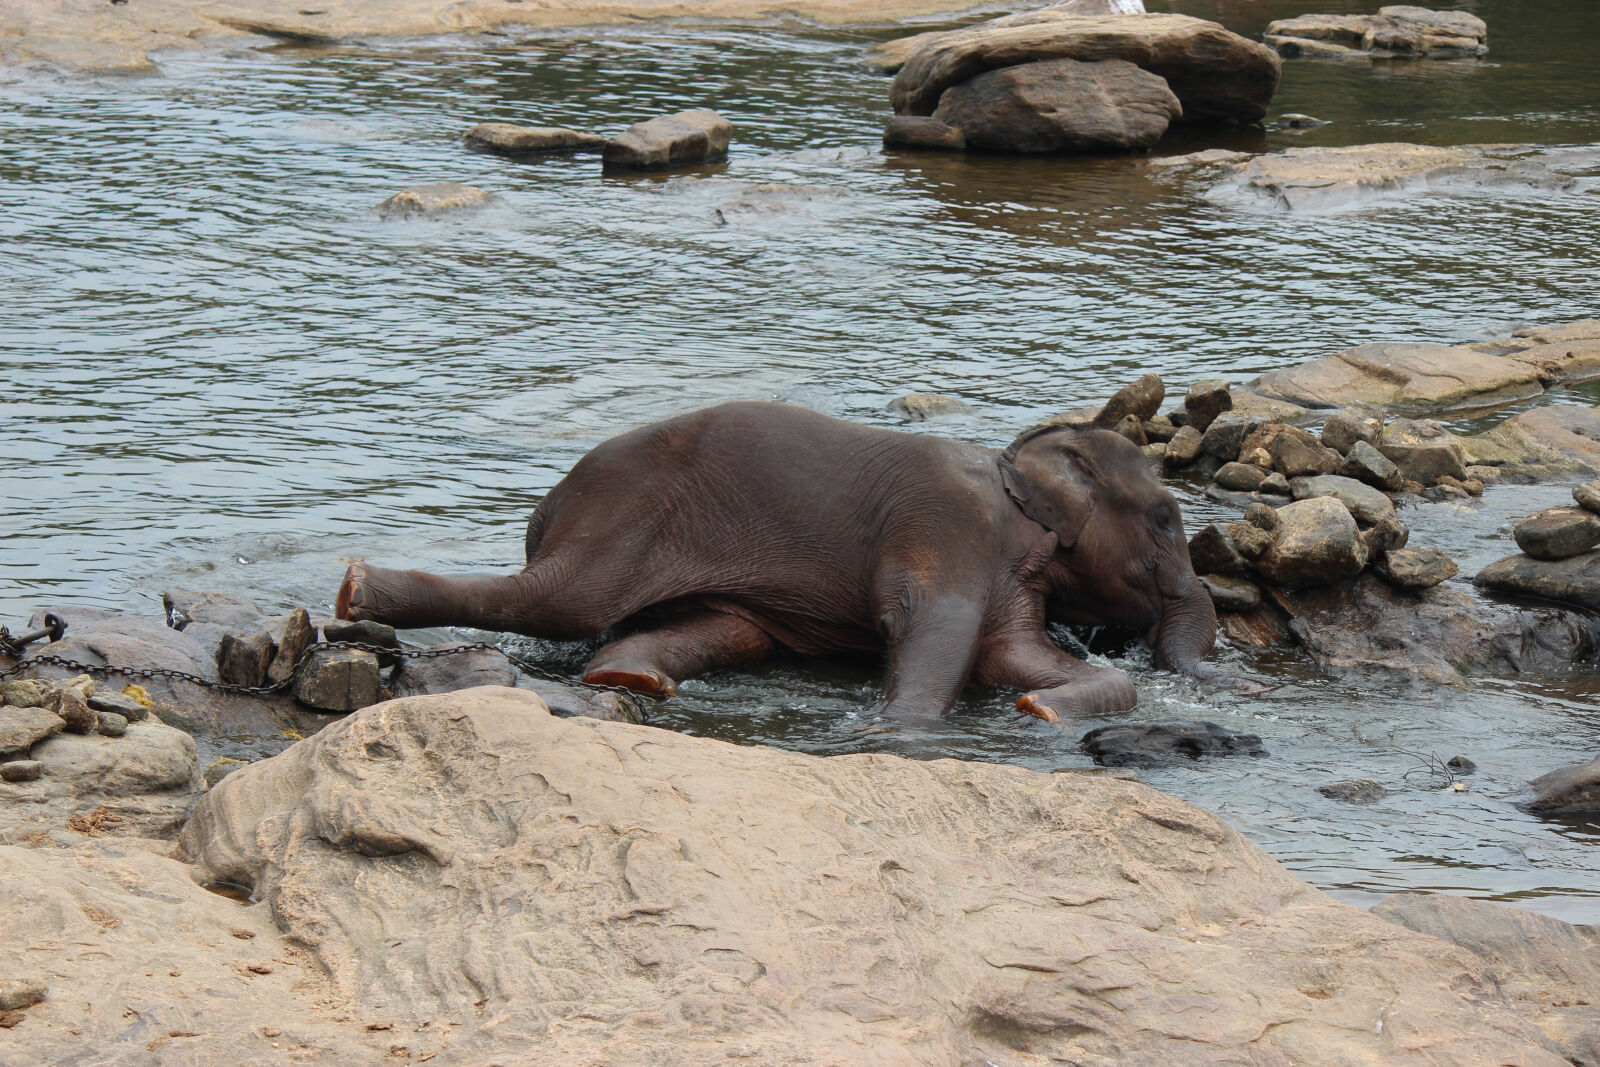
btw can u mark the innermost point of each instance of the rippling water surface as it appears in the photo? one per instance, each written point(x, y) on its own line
point(220, 369)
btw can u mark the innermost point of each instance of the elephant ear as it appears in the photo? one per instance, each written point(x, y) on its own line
point(1050, 478)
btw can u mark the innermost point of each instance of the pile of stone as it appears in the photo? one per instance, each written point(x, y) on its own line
point(1056, 82)
point(32, 711)
point(1557, 562)
point(1400, 30)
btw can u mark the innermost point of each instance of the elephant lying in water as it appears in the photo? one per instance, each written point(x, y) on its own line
point(734, 529)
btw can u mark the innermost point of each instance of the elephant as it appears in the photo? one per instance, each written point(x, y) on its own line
point(721, 534)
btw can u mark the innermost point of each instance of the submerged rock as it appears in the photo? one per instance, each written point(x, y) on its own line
point(1216, 75)
point(514, 902)
point(1354, 791)
point(680, 140)
point(1569, 791)
point(917, 407)
point(435, 200)
point(1399, 30)
point(1061, 105)
point(1575, 580)
point(1152, 744)
point(924, 132)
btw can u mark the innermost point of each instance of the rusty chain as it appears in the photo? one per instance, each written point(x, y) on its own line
point(14, 646)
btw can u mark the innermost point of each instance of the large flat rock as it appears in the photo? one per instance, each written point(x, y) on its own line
point(1319, 179)
point(1574, 580)
point(889, 56)
point(1405, 377)
point(1216, 74)
point(573, 890)
point(1558, 440)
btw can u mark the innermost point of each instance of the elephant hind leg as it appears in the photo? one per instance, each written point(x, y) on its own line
point(655, 661)
point(1057, 683)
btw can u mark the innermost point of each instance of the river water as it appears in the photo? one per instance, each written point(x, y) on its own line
point(219, 369)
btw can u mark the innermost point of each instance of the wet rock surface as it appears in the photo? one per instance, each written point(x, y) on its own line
point(679, 140)
point(507, 139)
point(1567, 791)
point(1575, 580)
point(1318, 544)
point(1557, 533)
point(689, 853)
point(1153, 744)
point(1216, 75)
point(923, 132)
point(1060, 106)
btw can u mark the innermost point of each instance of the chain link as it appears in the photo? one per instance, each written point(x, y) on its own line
point(634, 700)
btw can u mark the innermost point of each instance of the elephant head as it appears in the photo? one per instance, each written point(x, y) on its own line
point(1122, 558)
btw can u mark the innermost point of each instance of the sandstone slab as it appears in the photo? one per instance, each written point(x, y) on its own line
point(21, 727)
point(1216, 75)
point(508, 139)
point(1548, 441)
point(889, 56)
point(435, 200)
point(1397, 30)
point(679, 140)
point(1407, 377)
point(588, 891)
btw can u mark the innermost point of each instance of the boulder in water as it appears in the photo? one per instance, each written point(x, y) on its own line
point(680, 140)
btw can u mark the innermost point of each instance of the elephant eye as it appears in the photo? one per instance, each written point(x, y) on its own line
point(1165, 519)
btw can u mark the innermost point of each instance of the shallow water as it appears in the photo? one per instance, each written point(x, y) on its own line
point(219, 369)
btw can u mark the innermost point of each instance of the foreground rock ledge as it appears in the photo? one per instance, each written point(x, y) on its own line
point(626, 895)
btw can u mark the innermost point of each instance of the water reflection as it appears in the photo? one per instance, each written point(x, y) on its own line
point(220, 369)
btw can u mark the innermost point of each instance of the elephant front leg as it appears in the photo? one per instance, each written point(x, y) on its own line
point(931, 652)
point(1056, 683)
point(655, 661)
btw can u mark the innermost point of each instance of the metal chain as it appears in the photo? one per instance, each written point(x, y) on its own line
point(304, 659)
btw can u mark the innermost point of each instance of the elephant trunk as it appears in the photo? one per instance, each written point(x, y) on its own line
point(1187, 630)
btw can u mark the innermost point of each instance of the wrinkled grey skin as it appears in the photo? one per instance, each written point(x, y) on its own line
point(728, 531)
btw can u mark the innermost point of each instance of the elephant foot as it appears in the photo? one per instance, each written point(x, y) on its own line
point(1103, 692)
point(352, 593)
point(1033, 704)
point(644, 681)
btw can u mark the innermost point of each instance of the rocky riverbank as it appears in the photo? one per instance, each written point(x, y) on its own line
point(468, 877)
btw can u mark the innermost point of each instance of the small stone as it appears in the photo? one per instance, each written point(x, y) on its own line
point(1155, 453)
point(244, 658)
point(22, 770)
point(1258, 457)
point(1295, 454)
point(1262, 516)
point(1231, 594)
point(1461, 765)
point(1390, 535)
point(1366, 464)
point(20, 728)
point(84, 684)
point(431, 201)
point(1183, 449)
point(1142, 398)
point(1132, 428)
point(18, 993)
point(1275, 484)
point(1205, 400)
point(1587, 495)
point(1211, 552)
point(1241, 477)
point(1473, 486)
point(1423, 450)
point(506, 139)
point(1224, 436)
point(1344, 428)
point(129, 708)
point(363, 631)
point(344, 679)
point(923, 132)
point(1444, 492)
point(914, 407)
point(1160, 428)
point(1415, 568)
point(1318, 544)
point(1354, 791)
point(74, 711)
point(297, 636)
point(683, 139)
point(1556, 533)
point(1248, 539)
point(10, 1019)
point(1367, 504)
point(23, 693)
point(111, 724)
